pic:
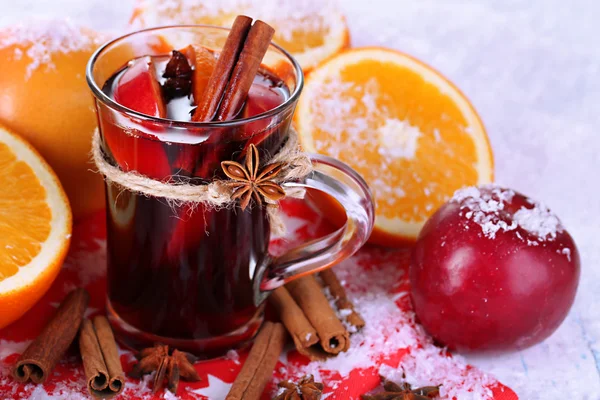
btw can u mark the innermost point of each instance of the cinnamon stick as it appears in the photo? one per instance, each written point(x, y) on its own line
point(259, 366)
point(343, 304)
point(210, 100)
point(235, 70)
point(105, 378)
point(308, 294)
point(38, 360)
point(303, 333)
point(255, 48)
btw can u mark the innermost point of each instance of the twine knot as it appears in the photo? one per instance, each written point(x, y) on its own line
point(216, 194)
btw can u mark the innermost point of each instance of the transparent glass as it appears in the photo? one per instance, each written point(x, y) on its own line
point(192, 277)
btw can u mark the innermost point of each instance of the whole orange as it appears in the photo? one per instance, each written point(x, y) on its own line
point(44, 98)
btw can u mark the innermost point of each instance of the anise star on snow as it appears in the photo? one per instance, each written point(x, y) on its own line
point(248, 182)
point(172, 366)
point(403, 391)
point(306, 389)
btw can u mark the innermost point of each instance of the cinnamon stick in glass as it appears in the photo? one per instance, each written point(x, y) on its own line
point(343, 304)
point(256, 46)
point(38, 360)
point(307, 292)
point(260, 364)
point(236, 68)
point(101, 362)
point(208, 103)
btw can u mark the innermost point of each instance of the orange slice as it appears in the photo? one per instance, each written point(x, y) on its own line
point(405, 128)
point(35, 221)
point(311, 30)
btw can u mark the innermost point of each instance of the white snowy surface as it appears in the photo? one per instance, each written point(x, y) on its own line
point(532, 70)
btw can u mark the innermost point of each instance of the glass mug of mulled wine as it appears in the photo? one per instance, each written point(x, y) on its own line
point(188, 275)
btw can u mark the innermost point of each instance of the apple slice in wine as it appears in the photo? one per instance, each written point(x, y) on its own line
point(138, 89)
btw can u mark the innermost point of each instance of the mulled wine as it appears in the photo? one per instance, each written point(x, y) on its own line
point(175, 106)
point(185, 271)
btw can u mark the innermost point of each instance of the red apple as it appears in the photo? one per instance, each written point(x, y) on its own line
point(493, 270)
point(139, 89)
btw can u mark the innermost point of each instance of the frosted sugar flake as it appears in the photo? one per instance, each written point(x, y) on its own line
point(487, 205)
point(288, 16)
point(40, 39)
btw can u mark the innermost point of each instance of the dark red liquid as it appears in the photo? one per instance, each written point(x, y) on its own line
point(181, 271)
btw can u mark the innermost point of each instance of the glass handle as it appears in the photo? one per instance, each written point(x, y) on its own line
point(351, 191)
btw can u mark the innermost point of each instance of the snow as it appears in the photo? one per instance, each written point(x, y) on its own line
point(234, 356)
point(484, 207)
point(402, 138)
point(88, 261)
point(216, 389)
point(8, 348)
point(539, 220)
point(389, 330)
point(487, 205)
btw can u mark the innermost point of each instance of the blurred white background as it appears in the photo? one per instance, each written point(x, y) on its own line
point(532, 70)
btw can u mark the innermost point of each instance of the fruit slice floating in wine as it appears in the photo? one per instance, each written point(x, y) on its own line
point(139, 89)
point(204, 66)
point(261, 98)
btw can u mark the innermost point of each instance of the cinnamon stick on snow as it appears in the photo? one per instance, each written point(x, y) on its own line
point(210, 100)
point(38, 360)
point(309, 295)
point(259, 366)
point(303, 333)
point(105, 378)
point(236, 68)
point(343, 304)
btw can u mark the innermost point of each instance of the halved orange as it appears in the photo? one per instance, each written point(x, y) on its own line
point(405, 128)
point(35, 226)
point(311, 30)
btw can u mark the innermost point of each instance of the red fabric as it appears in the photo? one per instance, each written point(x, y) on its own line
point(85, 266)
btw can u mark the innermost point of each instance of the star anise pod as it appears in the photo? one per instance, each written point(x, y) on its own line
point(248, 182)
point(403, 391)
point(306, 389)
point(171, 367)
point(179, 76)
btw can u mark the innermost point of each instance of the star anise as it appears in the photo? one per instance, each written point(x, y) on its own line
point(179, 76)
point(172, 366)
point(248, 182)
point(306, 389)
point(403, 391)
